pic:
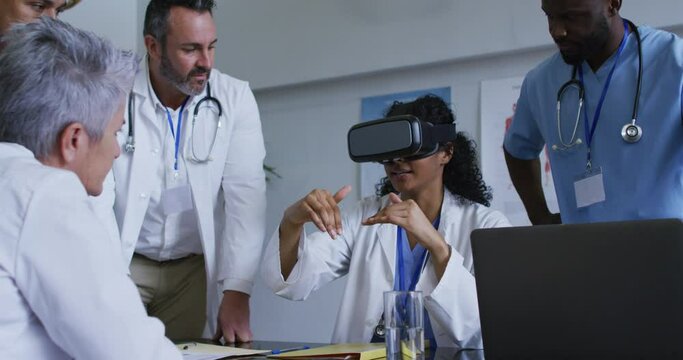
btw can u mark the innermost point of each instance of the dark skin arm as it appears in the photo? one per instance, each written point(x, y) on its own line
point(526, 177)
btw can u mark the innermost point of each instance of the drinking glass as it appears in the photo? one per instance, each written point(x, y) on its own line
point(403, 324)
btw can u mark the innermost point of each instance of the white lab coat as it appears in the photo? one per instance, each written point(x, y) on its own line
point(228, 192)
point(63, 291)
point(367, 254)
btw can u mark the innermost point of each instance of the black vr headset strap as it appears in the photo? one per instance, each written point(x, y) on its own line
point(438, 134)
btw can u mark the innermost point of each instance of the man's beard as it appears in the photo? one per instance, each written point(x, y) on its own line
point(183, 83)
point(591, 45)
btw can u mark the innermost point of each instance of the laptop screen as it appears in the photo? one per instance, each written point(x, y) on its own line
point(601, 290)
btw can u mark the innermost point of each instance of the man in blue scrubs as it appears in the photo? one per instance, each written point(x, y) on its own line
point(603, 170)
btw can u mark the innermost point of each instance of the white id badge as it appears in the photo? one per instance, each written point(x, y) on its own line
point(589, 188)
point(177, 200)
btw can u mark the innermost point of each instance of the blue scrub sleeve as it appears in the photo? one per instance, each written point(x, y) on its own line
point(523, 138)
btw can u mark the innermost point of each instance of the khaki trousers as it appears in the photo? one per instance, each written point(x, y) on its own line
point(173, 291)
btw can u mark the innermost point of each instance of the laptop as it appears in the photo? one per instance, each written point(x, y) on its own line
point(581, 291)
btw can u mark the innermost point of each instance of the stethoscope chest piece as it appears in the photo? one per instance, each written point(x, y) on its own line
point(379, 329)
point(631, 133)
point(129, 147)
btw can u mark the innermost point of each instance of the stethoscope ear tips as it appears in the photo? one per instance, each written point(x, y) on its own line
point(631, 133)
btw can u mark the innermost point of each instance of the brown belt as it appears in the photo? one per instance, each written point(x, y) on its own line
point(166, 261)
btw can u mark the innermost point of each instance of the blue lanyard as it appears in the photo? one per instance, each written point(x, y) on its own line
point(598, 109)
point(401, 265)
point(176, 134)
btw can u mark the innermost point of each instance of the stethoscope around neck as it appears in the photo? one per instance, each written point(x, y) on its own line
point(129, 146)
point(630, 132)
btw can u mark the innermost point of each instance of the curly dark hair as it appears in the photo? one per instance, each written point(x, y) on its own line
point(461, 176)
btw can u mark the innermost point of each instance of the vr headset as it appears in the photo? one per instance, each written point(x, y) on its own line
point(397, 137)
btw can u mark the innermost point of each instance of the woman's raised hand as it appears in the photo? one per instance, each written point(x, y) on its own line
point(320, 207)
point(408, 215)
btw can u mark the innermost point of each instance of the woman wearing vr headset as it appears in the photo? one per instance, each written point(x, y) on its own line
point(415, 235)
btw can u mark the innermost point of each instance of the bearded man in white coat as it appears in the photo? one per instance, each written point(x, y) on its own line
point(64, 293)
point(189, 194)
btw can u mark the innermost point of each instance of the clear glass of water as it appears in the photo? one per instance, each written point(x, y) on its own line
point(404, 324)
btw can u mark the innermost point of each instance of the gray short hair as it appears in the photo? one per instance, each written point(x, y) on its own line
point(53, 75)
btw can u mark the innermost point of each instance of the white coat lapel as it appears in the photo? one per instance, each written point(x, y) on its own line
point(199, 178)
point(200, 182)
point(136, 167)
point(386, 236)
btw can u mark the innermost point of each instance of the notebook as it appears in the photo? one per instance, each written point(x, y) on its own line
point(602, 290)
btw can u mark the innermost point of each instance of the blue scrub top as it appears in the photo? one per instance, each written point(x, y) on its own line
point(641, 180)
point(412, 261)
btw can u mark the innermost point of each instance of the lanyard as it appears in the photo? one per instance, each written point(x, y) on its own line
point(401, 265)
point(176, 134)
point(598, 109)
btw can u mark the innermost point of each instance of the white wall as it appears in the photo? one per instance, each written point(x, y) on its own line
point(275, 43)
point(312, 61)
point(115, 20)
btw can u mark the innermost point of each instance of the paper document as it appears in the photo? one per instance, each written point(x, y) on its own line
point(199, 351)
point(341, 351)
